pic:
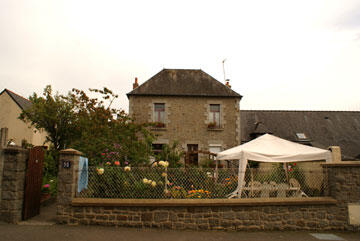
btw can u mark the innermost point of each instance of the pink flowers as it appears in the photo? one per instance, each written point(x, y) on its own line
point(46, 186)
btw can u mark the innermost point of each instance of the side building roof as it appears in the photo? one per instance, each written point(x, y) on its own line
point(317, 128)
point(22, 102)
point(183, 82)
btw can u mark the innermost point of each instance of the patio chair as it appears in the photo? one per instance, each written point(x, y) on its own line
point(254, 189)
point(273, 183)
point(282, 189)
point(296, 187)
point(265, 190)
point(273, 188)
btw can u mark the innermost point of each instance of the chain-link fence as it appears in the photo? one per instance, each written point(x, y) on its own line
point(183, 183)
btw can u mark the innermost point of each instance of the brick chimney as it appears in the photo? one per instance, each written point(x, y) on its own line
point(336, 153)
point(228, 83)
point(136, 84)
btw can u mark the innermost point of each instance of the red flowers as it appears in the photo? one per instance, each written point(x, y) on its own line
point(117, 163)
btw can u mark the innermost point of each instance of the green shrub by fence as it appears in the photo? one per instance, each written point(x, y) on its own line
point(180, 183)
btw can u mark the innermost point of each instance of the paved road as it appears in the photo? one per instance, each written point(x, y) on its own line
point(10, 232)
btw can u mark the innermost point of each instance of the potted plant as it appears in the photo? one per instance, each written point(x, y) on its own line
point(212, 125)
point(159, 125)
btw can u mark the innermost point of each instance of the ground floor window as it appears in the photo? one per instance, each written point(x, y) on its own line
point(214, 148)
point(157, 148)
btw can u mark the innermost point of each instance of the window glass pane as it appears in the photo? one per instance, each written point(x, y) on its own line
point(301, 135)
point(162, 117)
point(214, 108)
point(215, 149)
point(159, 107)
point(214, 117)
point(159, 112)
point(217, 118)
point(157, 148)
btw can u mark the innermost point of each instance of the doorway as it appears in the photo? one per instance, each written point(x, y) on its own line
point(192, 155)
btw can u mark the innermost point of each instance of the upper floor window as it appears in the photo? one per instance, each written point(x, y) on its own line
point(214, 116)
point(159, 114)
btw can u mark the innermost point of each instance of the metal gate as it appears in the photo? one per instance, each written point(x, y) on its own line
point(33, 182)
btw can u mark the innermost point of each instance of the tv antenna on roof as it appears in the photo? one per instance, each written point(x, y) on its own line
point(227, 81)
point(223, 63)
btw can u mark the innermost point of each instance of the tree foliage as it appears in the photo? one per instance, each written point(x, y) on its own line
point(89, 125)
point(54, 115)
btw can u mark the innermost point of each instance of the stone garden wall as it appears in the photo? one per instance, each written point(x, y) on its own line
point(321, 213)
point(12, 181)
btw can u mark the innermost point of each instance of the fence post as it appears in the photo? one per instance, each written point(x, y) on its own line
point(67, 176)
point(12, 183)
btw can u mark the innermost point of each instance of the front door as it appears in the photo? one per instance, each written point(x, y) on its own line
point(192, 155)
point(33, 182)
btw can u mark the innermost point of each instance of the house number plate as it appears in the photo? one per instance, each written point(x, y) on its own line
point(66, 164)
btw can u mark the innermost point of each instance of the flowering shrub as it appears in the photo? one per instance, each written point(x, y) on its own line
point(177, 192)
point(200, 193)
point(100, 171)
point(45, 188)
point(49, 185)
point(160, 182)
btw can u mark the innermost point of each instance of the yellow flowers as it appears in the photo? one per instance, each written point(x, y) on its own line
point(127, 168)
point(164, 164)
point(100, 170)
point(150, 182)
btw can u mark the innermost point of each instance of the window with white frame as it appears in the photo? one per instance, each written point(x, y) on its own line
point(159, 114)
point(214, 149)
point(214, 116)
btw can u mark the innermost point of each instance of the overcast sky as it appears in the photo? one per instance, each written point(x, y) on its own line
point(280, 54)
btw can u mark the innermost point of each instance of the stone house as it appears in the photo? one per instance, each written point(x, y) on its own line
point(11, 106)
point(191, 107)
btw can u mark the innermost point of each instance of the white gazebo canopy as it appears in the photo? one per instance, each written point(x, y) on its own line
point(269, 148)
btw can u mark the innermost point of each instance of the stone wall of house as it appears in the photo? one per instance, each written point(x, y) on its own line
point(1, 171)
point(327, 213)
point(12, 183)
point(187, 120)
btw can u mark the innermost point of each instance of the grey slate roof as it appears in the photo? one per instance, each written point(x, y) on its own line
point(322, 128)
point(183, 82)
point(19, 100)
